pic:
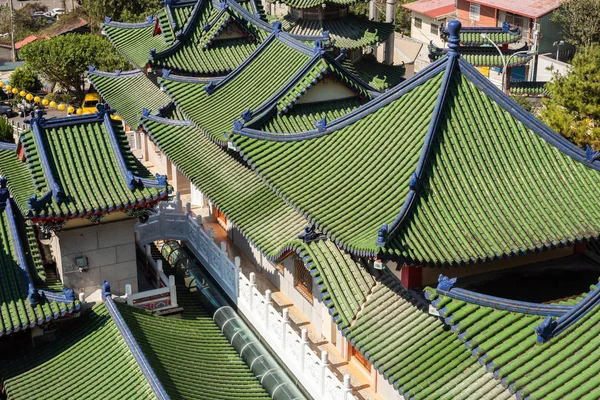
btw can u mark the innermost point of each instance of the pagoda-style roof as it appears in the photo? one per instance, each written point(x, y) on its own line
point(262, 217)
point(422, 200)
point(348, 33)
point(536, 351)
point(27, 298)
point(79, 166)
point(286, 70)
point(484, 56)
point(471, 36)
point(192, 358)
point(129, 93)
point(527, 88)
point(378, 75)
point(316, 3)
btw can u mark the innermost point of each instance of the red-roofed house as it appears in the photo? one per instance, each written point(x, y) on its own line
point(427, 18)
point(532, 16)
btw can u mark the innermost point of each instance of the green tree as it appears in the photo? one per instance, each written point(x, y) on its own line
point(119, 10)
point(6, 131)
point(573, 108)
point(25, 79)
point(580, 21)
point(64, 59)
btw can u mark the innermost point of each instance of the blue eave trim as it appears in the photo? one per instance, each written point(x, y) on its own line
point(354, 116)
point(499, 303)
point(20, 252)
point(37, 134)
point(8, 146)
point(451, 65)
point(124, 74)
point(135, 350)
point(530, 121)
point(128, 25)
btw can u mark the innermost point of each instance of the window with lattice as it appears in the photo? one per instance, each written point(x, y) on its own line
point(303, 281)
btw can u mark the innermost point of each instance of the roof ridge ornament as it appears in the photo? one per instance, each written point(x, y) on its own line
point(210, 88)
point(505, 26)
point(318, 49)
point(321, 124)
point(454, 38)
point(166, 72)
point(91, 68)
point(246, 115)
point(310, 234)
point(107, 20)
point(591, 155)
point(445, 283)
point(150, 18)
point(276, 28)
point(382, 235)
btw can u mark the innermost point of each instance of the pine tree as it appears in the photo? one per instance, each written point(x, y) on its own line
point(573, 108)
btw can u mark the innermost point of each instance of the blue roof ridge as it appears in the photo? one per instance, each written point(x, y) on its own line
point(550, 328)
point(418, 175)
point(128, 176)
point(133, 346)
point(180, 38)
point(6, 146)
point(253, 18)
point(128, 25)
point(505, 28)
point(354, 116)
point(92, 71)
point(528, 119)
point(499, 303)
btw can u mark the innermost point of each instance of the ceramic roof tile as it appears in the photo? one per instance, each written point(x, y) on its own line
point(428, 225)
point(203, 365)
point(348, 33)
point(505, 341)
point(315, 3)
point(95, 348)
point(57, 151)
point(129, 93)
point(472, 35)
point(414, 351)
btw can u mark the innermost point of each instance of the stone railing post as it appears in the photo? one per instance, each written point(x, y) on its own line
point(188, 208)
point(252, 287)
point(159, 269)
point(177, 202)
point(303, 346)
point(173, 291)
point(347, 389)
point(285, 322)
point(237, 262)
point(223, 259)
point(324, 366)
point(128, 294)
point(268, 302)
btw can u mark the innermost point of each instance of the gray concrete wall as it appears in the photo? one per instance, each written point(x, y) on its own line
point(110, 249)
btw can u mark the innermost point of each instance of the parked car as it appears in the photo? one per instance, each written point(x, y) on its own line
point(39, 14)
point(6, 111)
point(57, 11)
point(89, 103)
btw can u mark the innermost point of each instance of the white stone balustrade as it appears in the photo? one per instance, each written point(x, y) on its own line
point(170, 222)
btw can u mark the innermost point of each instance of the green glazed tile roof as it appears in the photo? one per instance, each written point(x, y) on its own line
point(380, 76)
point(485, 56)
point(471, 36)
point(191, 356)
point(134, 42)
point(531, 190)
point(315, 3)
point(303, 116)
point(414, 351)
point(16, 311)
point(262, 217)
point(91, 362)
point(129, 93)
point(270, 68)
point(529, 88)
point(344, 284)
point(77, 155)
point(349, 33)
point(201, 52)
point(565, 367)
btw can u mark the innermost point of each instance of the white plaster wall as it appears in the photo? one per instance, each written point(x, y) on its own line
point(110, 249)
point(548, 66)
point(385, 389)
point(326, 90)
point(424, 33)
point(155, 157)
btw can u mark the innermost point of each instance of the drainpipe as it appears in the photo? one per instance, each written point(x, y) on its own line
point(372, 10)
point(390, 16)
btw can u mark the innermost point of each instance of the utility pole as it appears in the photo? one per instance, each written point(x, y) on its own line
point(12, 31)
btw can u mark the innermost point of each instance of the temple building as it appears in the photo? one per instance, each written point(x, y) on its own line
point(424, 240)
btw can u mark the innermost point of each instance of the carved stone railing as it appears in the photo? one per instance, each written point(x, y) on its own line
point(170, 222)
point(311, 370)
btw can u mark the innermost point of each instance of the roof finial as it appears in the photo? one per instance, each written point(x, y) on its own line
point(454, 37)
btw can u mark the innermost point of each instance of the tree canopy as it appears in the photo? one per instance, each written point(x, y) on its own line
point(119, 10)
point(580, 21)
point(573, 108)
point(64, 59)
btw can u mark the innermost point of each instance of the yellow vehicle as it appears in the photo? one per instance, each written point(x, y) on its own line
point(89, 103)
